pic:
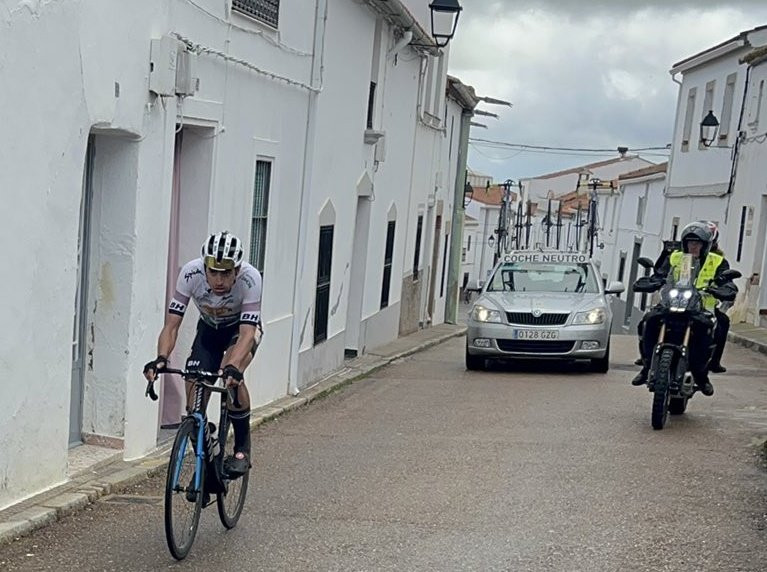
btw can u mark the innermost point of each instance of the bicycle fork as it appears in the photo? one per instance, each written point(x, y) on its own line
point(199, 462)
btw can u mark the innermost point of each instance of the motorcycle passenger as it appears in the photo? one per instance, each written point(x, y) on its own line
point(722, 319)
point(696, 240)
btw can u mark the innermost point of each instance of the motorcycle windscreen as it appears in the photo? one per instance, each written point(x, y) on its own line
point(686, 271)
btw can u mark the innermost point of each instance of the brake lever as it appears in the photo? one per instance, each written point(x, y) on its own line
point(150, 391)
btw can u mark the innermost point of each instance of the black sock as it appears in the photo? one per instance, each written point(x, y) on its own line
point(241, 424)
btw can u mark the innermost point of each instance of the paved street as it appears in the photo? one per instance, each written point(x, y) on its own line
point(425, 466)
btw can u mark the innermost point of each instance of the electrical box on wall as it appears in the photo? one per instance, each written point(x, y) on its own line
point(380, 150)
point(163, 55)
point(186, 82)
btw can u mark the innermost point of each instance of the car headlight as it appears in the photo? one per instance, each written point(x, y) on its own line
point(590, 317)
point(482, 314)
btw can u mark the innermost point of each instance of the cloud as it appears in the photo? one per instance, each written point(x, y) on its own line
point(582, 74)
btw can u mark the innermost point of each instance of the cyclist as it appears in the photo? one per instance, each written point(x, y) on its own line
point(227, 292)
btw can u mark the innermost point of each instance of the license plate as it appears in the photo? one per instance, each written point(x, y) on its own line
point(535, 334)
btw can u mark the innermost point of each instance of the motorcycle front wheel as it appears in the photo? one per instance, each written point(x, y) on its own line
point(661, 393)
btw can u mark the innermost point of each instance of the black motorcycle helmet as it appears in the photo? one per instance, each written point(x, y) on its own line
point(697, 230)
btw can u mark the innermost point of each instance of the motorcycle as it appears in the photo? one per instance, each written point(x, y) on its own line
point(680, 306)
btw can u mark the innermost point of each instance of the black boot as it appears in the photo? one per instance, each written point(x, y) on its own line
point(717, 368)
point(641, 377)
point(639, 361)
point(704, 385)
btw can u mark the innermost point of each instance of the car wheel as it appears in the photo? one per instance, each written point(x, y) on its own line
point(602, 365)
point(474, 363)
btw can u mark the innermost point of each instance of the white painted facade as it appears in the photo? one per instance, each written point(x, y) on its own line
point(481, 256)
point(638, 233)
point(699, 177)
point(746, 233)
point(89, 77)
point(537, 188)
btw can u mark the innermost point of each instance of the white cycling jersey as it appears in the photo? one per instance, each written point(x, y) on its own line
point(242, 304)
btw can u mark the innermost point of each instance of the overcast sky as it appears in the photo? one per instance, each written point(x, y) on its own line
point(582, 73)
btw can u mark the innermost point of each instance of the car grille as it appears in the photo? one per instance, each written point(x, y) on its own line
point(528, 319)
point(536, 346)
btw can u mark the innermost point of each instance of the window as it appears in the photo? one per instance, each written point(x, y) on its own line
point(266, 11)
point(417, 256)
point(687, 132)
point(322, 299)
point(742, 231)
point(674, 227)
point(757, 110)
point(468, 246)
point(260, 212)
point(388, 257)
point(371, 104)
point(463, 255)
point(708, 105)
point(444, 268)
point(729, 94)
point(642, 205)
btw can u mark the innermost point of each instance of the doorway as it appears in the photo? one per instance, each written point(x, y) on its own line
point(353, 345)
point(188, 228)
point(81, 300)
point(434, 265)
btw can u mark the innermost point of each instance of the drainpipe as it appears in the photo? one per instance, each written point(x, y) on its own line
point(456, 232)
point(320, 19)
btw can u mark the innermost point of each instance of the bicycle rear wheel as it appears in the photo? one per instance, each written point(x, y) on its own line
point(183, 492)
point(231, 502)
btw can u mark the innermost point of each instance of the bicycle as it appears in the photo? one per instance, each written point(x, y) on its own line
point(196, 469)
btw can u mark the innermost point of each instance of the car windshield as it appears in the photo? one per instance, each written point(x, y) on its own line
point(544, 277)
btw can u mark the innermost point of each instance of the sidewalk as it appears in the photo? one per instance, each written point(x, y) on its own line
point(749, 336)
point(113, 476)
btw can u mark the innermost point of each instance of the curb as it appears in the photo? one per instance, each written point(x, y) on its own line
point(747, 342)
point(85, 488)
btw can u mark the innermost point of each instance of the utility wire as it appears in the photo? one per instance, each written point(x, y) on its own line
point(488, 142)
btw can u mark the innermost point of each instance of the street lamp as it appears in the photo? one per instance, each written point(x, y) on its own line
point(444, 19)
point(491, 241)
point(708, 128)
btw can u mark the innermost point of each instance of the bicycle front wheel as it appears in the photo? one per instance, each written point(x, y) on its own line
point(184, 487)
point(231, 502)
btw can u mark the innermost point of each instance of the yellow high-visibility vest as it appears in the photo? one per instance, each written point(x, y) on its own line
point(705, 276)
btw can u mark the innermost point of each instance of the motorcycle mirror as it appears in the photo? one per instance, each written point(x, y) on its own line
point(645, 262)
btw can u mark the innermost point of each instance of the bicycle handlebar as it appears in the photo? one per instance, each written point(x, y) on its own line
point(197, 377)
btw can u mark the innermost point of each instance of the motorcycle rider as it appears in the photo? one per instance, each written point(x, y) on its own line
point(696, 240)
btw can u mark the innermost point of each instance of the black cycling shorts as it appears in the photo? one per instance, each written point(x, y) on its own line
point(210, 344)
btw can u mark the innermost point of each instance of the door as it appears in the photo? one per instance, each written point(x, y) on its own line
point(81, 301)
point(353, 347)
point(434, 264)
point(172, 392)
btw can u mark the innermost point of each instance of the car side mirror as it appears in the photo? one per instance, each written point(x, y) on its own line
point(615, 288)
point(645, 262)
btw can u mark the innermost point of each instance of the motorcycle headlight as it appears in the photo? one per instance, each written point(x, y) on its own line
point(482, 314)
point(673, 293)
point(687, 294)
point(590, 317)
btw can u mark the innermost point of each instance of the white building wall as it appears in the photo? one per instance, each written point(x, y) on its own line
point(746, 233)
point(91, 64)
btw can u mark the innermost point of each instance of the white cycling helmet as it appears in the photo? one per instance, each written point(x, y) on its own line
point(222, 251)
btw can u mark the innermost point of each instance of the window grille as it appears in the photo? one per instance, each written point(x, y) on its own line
point(388, 257)
point(417, 257)
point(322, 299)
point(260, 212)
point(266, 11)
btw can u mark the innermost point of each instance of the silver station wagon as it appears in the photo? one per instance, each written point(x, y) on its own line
point(542, 305)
